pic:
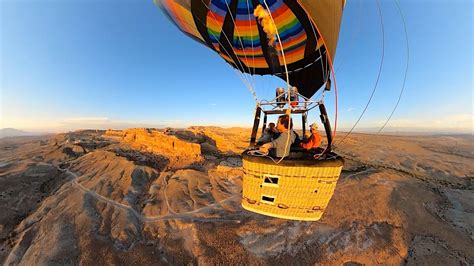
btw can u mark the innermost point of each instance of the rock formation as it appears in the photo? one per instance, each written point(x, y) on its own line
point(150, 196)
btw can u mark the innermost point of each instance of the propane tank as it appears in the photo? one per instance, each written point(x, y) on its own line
point(294, 96)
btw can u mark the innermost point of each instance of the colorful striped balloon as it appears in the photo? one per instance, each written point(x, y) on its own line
point(259, 36)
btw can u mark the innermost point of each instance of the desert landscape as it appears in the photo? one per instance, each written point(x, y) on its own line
point(172, 196)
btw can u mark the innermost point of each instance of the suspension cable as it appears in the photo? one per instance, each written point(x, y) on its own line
point(241, 75)
point(354, 35)
point(328, 54)
point(239, 38)
point(251, 40)
point(290, 129)
point(406, 68)
point(378, 75)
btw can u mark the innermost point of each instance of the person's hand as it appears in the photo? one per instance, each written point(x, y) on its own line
point(265, 147)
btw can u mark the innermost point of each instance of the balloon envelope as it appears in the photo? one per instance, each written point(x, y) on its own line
point(260, 36)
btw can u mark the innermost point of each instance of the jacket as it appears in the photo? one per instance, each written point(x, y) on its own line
point(279, 143)
point(313, 142)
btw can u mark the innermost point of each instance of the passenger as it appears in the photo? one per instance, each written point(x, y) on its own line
point(284, 126)
point(314, 140)
point(297, 138)
point(269, 134)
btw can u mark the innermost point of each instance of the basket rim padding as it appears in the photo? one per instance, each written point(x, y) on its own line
point(334, 162)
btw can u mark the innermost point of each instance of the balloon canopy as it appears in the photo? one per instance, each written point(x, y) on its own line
point(260, 37)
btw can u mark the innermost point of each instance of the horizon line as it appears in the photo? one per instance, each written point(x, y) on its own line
point(365, 130)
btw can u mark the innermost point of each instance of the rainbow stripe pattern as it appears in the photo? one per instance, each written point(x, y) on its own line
point(245, 41)
point(291, 32)
point(179, 12)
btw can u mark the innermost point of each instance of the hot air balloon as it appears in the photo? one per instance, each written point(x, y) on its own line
point(294, 40)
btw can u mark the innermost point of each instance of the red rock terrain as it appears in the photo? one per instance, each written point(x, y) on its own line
point(150, 196)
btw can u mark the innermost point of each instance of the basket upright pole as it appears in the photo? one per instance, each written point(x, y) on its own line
point(327, 125)
point(256, 123)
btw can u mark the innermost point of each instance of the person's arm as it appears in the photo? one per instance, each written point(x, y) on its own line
point(309, 144)
point(265, 147)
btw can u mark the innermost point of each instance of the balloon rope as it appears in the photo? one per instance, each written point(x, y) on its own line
point(378, 75)
point(239, 38)
point(325, 74)
point(323, 67)
point(287, 83)
point(406, 68)
point(281, 47)
point(251, 40)
point(242, 76)
point(328, 54)
point(352, 39)
point(239, 74)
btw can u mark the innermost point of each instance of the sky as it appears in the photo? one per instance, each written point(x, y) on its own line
point(70, 64)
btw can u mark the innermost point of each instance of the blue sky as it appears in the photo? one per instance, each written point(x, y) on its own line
point(111, 64)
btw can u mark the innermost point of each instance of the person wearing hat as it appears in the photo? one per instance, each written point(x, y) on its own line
point(314, 140)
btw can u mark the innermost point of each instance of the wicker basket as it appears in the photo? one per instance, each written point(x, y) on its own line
point(295, 189)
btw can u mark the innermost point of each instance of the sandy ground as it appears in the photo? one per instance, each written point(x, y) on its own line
point(145, 196)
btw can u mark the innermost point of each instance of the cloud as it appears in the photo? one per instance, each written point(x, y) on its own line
point(350, 109)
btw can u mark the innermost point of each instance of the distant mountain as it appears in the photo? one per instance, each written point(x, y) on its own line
point(11, 132)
